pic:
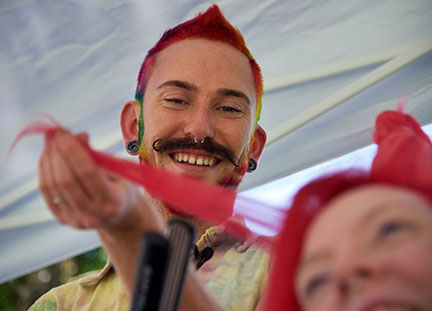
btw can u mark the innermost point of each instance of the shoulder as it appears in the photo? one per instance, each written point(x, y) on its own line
point(251, 257)
point(241, 276)
point(100, 286)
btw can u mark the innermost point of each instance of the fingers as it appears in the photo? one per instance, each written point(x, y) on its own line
point(64, 192)
point(82, 166)
point(47, 184)
point(90, 190)
point(74, 200)
point(83, 138)
point(76, 189)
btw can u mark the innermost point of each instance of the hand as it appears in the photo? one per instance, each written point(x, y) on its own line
point(83, 195)
point(77, 191)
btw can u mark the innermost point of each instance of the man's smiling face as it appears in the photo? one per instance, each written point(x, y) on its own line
point(202, 90)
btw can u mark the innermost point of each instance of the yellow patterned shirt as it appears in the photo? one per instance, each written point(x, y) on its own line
point(236, 276)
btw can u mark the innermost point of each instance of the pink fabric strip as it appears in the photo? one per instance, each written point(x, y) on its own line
point(210, 203)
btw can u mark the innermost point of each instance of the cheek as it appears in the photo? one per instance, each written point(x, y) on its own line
point(237, 136)
point(159, 123)
point(412, 264)
point(156, 125)
point(328, 300)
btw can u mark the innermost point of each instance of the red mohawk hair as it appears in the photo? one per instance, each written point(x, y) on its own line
point(211, 25)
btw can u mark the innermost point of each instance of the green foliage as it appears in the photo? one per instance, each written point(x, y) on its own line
point(21, 293)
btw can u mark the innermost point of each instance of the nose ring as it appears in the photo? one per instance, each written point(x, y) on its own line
point(201, 141)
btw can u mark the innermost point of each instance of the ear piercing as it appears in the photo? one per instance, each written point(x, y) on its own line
point(132, 146)
point(252, 165)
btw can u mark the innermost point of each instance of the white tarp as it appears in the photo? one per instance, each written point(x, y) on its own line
point(78, 61)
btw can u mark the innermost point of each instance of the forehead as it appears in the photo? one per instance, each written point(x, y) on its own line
point(346, 213)
point(205, 63)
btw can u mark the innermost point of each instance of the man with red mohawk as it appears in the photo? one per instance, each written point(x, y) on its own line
point(195, 113)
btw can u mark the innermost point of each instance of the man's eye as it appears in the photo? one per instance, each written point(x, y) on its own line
point(177, 101)
point(229, 109)
point(314, 284)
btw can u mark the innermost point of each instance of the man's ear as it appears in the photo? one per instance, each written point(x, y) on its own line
point(258, 143)
point(129, 123)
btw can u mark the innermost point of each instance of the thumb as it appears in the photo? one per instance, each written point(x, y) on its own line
point(83, 138)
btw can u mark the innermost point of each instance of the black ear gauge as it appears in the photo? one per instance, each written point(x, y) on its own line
point(132, 146)
point(252, 165)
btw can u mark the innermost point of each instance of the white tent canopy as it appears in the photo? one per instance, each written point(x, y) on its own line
point(329, 68)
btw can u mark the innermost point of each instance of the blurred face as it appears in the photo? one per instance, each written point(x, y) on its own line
point(201, 92)
point(370, 250)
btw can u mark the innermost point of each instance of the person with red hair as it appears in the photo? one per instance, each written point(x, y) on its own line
point(360, 240)
point(195, 113)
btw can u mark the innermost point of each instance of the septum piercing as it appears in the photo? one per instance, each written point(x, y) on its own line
point(201, 141)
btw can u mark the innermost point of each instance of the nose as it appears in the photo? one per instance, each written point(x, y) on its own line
point(357, 267)
point(356, 278)
point(199, 123)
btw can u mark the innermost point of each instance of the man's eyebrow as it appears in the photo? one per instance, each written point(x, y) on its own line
point(178, 83)
point(234, 93)
point(191, 87)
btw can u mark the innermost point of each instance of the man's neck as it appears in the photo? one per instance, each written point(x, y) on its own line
point(200, 226)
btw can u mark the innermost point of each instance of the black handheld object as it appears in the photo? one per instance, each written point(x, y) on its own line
point(181, 235)
point(161, 268)
point(151, 271)
point(206, 254)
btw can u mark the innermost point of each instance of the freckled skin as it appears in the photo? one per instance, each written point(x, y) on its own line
point(202, 116)
point(388, 256)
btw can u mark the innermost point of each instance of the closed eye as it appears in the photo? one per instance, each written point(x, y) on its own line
point(229, 109)
point(314, 284)
point(176, 101)
point(390, 228)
